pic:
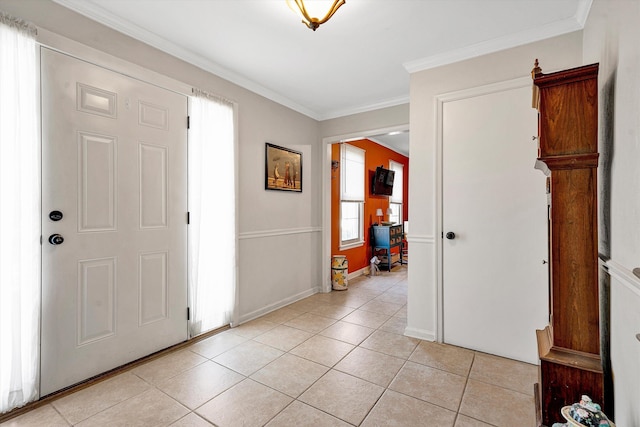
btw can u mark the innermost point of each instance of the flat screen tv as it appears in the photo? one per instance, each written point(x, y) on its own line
point(382, 184)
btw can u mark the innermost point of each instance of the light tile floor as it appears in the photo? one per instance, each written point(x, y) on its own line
point(334, 359)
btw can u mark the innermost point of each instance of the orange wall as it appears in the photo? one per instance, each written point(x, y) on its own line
point(376, 155)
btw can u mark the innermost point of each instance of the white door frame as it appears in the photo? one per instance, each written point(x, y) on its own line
point(440, 100)
point(326, 192)
point(97, 57)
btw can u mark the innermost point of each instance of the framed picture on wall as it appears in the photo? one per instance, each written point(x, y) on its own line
point(283, 169)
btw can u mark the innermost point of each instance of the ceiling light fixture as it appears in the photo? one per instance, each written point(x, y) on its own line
point(310, 22)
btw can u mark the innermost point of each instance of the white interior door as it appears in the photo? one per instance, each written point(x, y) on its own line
point(114, 163)
point(495, 284)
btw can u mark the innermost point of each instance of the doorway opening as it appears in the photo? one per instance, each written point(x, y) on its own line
point(376, 136)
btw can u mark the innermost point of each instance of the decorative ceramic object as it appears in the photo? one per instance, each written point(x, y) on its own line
point(585, 413)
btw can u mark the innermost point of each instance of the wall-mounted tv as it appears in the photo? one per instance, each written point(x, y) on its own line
point(382, 184)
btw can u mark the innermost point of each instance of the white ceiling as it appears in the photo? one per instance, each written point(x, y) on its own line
point(398, 141)
point(358, 61)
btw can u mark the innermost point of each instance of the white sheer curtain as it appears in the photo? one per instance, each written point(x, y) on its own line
point(19, 216)
point(212, 202)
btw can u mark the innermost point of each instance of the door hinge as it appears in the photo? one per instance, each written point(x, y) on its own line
point(188, 218)
point(188, 122)
point(188, 313)
point(41, 240)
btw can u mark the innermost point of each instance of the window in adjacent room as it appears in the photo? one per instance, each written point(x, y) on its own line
point(351, 196)
point(396, 213)
point(395, 201)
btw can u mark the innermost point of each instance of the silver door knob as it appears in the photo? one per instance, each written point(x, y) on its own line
point(56, 239)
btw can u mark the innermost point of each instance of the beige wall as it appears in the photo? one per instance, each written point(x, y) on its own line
point(292, 222)
point(365, 122)
point(554, 54)
point(279, 232)
point(611, 37)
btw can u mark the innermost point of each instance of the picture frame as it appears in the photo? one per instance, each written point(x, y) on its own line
point(283, 169)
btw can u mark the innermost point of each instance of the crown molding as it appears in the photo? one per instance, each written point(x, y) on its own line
point(100, 15)
point(583, 12)
point(501, 43)
point(364, 108)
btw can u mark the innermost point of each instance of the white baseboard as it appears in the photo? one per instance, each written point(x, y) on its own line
point(362, 272)
point(277, 305)
point(420, 334)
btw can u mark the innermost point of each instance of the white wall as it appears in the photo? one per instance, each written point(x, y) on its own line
point(554, 54)
point(611, 37)
point(279, 232)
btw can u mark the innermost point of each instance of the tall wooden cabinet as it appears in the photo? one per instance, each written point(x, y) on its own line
point(569, 348)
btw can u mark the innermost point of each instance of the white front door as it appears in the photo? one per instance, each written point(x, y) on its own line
point(495, 284)
point(114, 167)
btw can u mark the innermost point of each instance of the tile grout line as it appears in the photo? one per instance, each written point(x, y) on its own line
point(333, 367)
point(464, 389)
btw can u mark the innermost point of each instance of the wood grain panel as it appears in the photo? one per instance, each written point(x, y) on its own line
point(574, 261)
point(569, 348)
point(569, 110)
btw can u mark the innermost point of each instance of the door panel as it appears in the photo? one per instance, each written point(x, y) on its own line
point(114, 162)
point(97, 196)
point(495, 285)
